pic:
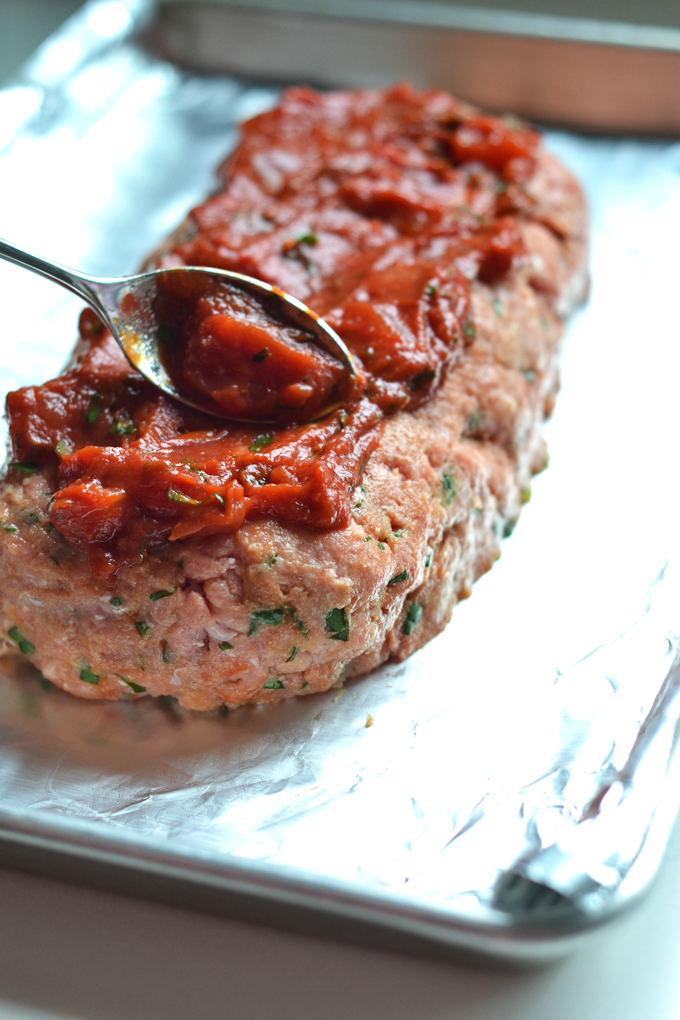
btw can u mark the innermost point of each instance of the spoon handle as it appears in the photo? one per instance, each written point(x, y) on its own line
point(80, 284)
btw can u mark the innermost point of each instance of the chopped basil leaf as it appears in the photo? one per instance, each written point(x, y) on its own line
point(431, 289)
point(498, 307)
point(225, 646)
point(308, 238)
point(142, 627)
point(428, 561)
point(271, 560)
point(399, 578)
point(165, 654)
point(219, 499)
point(469, 330)
point(381, 546)
point(449, 487)
point(293, 653)
point(32, 518)
point(122, 427)
point(306, 686)
point(272, 617)
point(261, 355)
point(369, 538)
point(424, 377)
point(296, 621)
point(259, 443)
point(94, 410)
point(525, 495)
point(474, 421)
point(9, 527)
point(25, 646)
point(179, 497)
point(163, 594)
point(29, 468)
point(62, 448)
point(88, 676)
point(273, 685)
point(137, 688)
point(116, 601)
point(337, 625)
point(412, 617)
point(398, 534)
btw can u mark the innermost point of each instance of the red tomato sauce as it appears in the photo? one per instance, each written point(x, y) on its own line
point(376, 209)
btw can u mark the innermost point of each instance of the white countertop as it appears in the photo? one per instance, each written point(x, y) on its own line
point(67, 952)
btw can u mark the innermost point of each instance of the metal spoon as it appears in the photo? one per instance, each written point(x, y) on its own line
point(126, 307)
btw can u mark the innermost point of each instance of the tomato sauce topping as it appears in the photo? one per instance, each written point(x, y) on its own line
point(376, 209)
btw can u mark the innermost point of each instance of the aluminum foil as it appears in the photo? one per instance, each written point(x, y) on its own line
point(487, 780)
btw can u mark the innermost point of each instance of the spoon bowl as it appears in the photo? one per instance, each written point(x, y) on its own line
point(127, 307)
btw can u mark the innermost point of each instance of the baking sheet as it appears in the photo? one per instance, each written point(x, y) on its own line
point(486, 794)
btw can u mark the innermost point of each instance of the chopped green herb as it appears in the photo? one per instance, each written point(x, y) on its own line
point(272, 617)
point(474, 421)
point(49, 528)
point(179, 497)
point(424, 377)
point(25, 646)
point(225, 646)
point(9, 527)
point(369, 538)
point(180, 564)
point(449, 487)
point(62, 448)
point(261, 355)
point(162, 594)
point(142, 627)
point(219, 499)
point(136, 688)
point(165, 654)
point(122, 427)
point(271, 560)
point(525, 495)
point(381, 546)
point(428, 561)
point(273, 685)
point(498, 307)
point(500, 187)
point(308, 238)
point(197, 471)
point(88, 676)
point(116, 601)
point(259, 443)
point(399, 578)
point(28, 468)
point(337, 625)
point(342, 418)
point(413, 615)
point(509, 528)
point(94, 410)
point(293, 653)
point(398, 534)
point(306, 686)
point(431, 289)
point(296, 621)
point(166, 334)
point(470, 330)
point(358, 505)
point(32, 518)
point(530, 375)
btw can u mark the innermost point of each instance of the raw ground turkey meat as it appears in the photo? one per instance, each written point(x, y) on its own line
point(275, 608)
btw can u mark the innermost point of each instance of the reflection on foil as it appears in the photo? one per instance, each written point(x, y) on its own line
point(482, 775)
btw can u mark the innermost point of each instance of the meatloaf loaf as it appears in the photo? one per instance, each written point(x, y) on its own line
point(446, 248)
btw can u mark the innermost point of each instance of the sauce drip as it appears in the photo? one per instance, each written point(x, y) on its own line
point(376, 209)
